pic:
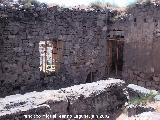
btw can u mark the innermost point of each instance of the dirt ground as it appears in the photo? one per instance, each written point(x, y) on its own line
point(155, 115)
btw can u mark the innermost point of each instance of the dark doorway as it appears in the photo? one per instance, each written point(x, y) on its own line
point(115, 57)
point(90, 77)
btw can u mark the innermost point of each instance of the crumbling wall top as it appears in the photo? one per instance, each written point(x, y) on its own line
point(19, 12)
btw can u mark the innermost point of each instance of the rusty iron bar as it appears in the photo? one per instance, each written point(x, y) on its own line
point(109, 56)
point(55, 53)
point(45, 58)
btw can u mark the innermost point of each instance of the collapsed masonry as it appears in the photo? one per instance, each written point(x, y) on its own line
point(104, 98)
point(53, 48)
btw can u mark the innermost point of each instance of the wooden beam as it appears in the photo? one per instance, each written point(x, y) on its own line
point(112, 39)
point(116, 59)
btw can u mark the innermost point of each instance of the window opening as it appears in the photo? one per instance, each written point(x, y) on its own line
point(50, 56)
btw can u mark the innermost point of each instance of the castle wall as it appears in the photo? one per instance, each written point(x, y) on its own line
point(141, 48)
point(83, 34)
point(84, 55)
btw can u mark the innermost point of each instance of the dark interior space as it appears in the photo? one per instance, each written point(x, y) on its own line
point(90, 77)
point(115, 57)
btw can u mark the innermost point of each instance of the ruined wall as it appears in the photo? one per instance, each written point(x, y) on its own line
point(103, 99)
point(141, 48)
point(83, 34)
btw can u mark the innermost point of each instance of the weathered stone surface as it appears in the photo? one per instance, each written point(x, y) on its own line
point(105, 97)
point(141, 44)
point(136, 91)
point(85, 36)
point(21, 31)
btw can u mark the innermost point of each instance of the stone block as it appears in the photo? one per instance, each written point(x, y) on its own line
point(141, 83)
point(148, 83)
point(156, 79)
point(97, 99)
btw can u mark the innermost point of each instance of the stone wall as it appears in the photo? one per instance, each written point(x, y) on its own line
point(104, 98)
point(141, 48)
point(83, 34)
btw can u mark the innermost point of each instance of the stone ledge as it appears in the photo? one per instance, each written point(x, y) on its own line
point(103, 97)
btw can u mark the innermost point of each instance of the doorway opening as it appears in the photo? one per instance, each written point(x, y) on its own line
point(115, 57)
point(90, 77)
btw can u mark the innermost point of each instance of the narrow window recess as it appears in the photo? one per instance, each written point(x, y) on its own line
point(50, 56)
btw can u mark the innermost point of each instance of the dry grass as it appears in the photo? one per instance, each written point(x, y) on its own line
point(155, 105)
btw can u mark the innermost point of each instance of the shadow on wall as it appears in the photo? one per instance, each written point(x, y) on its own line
point(91, 77)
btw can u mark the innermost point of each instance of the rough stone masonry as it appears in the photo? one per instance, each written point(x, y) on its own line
point(104, 98)
point(83, 34)
point(141, 47)
point(93, 45)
